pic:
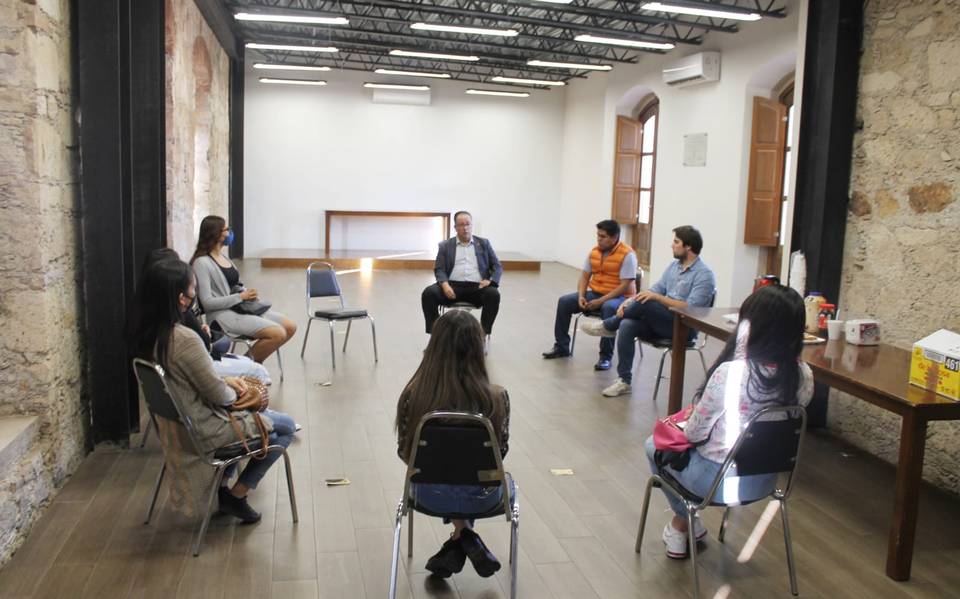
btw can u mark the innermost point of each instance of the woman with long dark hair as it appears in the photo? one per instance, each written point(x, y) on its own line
point(220, 290)
point(158, 335)
point(453, 377)
point(759, 367)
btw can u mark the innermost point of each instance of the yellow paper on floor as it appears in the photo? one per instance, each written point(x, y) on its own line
point(561, 471)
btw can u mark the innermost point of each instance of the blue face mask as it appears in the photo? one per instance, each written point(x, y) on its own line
point(229, 238)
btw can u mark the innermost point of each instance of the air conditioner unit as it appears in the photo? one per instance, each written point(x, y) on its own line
point(696, 68)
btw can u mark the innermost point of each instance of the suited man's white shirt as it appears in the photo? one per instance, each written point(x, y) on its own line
point(465, 263)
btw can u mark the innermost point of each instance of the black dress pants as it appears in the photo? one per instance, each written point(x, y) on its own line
point(487, 299)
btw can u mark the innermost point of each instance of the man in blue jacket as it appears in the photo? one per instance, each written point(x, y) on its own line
point(467, 270)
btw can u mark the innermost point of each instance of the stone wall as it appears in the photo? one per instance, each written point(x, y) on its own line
point(198, 125)
point(901, 254)
point(41, 353)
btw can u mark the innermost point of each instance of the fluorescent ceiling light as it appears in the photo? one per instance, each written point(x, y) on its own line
point(246, 16)
point(459, 29)
point(255, 46)
point(417, 88)
point(292, 81)
point(412, 73)
point(288, 67)
point(490, 92)
point(413, 54)
point(556, 1)
point(622, 42)
point(569, 65)
point(701, 12)
point(526, 81)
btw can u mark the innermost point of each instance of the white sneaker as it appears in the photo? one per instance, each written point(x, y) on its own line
point(675, 541)
point(297, 428)
point(619, 387)
point(699, 530)
point(593, 326)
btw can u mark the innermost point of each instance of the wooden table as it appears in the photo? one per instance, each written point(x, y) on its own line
point(878, 375)
point(328, 216)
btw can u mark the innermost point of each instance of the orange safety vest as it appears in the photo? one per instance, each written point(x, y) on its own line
point(605, 270)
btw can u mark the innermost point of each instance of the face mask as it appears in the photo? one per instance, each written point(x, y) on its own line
point(229, 238)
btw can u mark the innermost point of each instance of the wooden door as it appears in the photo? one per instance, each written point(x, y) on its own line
point(626, 171)
point(764, 193)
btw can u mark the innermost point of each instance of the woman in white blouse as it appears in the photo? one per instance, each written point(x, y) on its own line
point(758, 368)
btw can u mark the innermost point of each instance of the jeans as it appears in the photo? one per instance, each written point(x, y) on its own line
point(699, 474)
point(458, 499)
point(568, 305)
point(283, 424)
point(644, 321)
point(256, 469)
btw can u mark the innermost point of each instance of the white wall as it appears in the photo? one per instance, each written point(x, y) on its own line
point(712, 198)
point(310, 149)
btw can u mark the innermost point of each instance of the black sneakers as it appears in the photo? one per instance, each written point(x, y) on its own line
point(237, 507)
point(448, 561)
point(484, 562)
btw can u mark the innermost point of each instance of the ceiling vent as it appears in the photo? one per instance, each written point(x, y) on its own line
point(694, 69)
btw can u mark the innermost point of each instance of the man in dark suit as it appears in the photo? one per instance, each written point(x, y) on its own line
point(467, 270)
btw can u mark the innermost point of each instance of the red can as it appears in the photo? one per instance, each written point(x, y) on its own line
point(765, 280)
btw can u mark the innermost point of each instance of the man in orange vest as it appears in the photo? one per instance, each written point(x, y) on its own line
point(608, 277)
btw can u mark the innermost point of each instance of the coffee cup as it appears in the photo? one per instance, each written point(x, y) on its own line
point(834, 329)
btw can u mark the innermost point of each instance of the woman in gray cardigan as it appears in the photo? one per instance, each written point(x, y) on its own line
point(217, 278)
point(167, 290)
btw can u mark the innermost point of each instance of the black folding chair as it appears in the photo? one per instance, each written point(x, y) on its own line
point(162, 404)
point(770, 444)
point(666, 346)
point(322, 283)
point(456, 448)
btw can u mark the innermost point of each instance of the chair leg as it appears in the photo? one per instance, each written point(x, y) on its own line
point(146, 435)
point(723, 524)
point(791, 567)
point(703, 361)
point(280, 364)
point(333, 349)
point(303, 347)
point(573, 338)
point(156, 491)
point(347, 336)
point(410, 534)
point(395, 562)
point(692, 548)
point(208, 512)
point(656, 387)
point(290, 491)
point(643, 512)
point(373, 331)
point(514, 546)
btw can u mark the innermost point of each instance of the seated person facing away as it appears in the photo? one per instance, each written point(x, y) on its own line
point(467, 270)
point(220, 290)
point(763, 363)
point(453, 377)
point(688, 281)
point(608, 276)
point(158, 335)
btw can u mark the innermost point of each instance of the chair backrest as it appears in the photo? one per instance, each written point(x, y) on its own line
point(160, 401)
point(322, 280)
point(457, 448)
point(770, 443)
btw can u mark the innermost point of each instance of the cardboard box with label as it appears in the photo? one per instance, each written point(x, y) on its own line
point(935, 364)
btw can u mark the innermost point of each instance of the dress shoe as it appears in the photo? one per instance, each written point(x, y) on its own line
point(448, 561)
point(237, 507)
point(484, 562)
point(556, 352)
point(603, 364)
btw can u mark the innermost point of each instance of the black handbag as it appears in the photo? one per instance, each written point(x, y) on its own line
point(251, 307)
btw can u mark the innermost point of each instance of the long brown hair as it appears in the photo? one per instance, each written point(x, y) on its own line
point(210, 229)
point(452, 376)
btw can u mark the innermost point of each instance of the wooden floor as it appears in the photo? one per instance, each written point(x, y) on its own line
point(577, 532)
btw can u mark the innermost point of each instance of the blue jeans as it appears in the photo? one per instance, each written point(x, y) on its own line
point(568, 305)
point(699, 474)
point(283, 424)
point(645, 321)
point(458, 499)
point(256, 469)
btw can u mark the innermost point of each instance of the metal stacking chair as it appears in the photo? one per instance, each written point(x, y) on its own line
point(666, 347)
point(456, 448)
point(766, 446)
point(322, 283)
point(162, 404)
point(463, 306)
point(249, 342)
